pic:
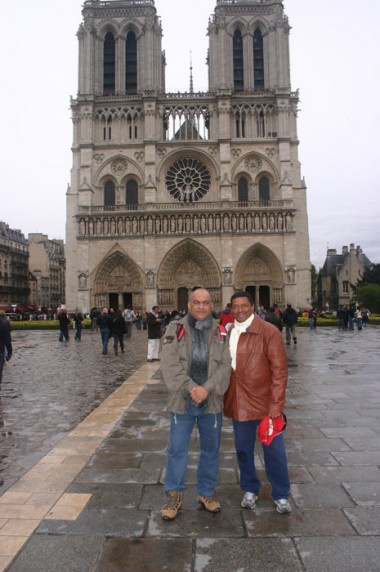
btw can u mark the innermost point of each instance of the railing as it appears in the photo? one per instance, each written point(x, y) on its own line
point(180, 207)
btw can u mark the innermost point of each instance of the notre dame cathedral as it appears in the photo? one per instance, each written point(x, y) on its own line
point(170, 191)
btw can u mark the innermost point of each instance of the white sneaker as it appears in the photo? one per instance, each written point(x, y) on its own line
point(283, 506)
point(249, 500)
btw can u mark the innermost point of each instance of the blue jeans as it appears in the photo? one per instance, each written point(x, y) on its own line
point(181, 426)
point(63, 334)
point(276, 465)
point(104, 334)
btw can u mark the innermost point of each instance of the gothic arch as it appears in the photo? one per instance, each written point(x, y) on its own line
point(260, 267)
point(117, 274)
point(105, 170)
point(186, 265)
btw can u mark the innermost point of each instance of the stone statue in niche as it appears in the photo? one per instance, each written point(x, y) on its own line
point(82, 281)
point(150, 279)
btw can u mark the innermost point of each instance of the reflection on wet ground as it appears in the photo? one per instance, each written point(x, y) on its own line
point(49, 387)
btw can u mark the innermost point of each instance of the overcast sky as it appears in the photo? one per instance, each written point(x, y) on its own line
point(334, 48)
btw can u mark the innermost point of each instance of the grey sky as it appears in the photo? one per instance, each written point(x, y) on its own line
point(334, 48)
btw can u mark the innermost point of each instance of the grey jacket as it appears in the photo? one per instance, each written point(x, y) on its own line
point(176, 362)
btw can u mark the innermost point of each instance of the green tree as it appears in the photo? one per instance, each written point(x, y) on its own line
point(314, 280)
point(368, 295)
point(371, 276)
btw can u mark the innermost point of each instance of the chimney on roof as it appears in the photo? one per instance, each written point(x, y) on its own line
point(344, 250)
point(331, 252)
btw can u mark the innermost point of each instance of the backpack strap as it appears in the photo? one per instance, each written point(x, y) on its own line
point(180, 331)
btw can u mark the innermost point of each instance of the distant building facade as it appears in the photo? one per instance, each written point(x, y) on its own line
point(338, 274)
point(47, 265)
point(173, 191)
point(14, 285)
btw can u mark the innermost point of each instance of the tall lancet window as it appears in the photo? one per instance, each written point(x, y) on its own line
point(264, 193)
point(258, 60)
point(109, 194)
point(243, 190)
point(238, 61)
point(109, 64)
point(131, 63)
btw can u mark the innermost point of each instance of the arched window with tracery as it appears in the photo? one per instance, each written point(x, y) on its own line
point(131, 193)
point(238, 61)
point(109, 64)
point(131, 63)
point(264, 190)
point(243, 190)
point(109, 194)
point(258, 60)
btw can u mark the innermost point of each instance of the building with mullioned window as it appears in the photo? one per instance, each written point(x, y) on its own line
point(338, 275)
point(14, 255)
point(170, 191)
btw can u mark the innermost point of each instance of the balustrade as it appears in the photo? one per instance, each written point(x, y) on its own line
point(268, 219)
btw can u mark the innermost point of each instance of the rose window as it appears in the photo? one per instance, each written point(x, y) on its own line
point(188, 180)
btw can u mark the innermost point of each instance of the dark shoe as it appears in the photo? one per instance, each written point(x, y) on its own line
point(295, 341)
point(150, 360)
point(210, 503)
point(172, 505)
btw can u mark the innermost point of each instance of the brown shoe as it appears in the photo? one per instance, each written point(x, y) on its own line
point(172, 505)
point(210, 503)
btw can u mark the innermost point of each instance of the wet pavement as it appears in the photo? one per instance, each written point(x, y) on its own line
point(92, 502)
point(49, 387)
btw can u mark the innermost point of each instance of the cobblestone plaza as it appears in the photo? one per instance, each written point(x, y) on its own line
point(83, 445)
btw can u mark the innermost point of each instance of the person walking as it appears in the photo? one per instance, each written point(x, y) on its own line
point(154, 323)
point(274, 318)
point(104, 324)
point(5, 343)
point(118, 331)
point(129, 317)
point(78, 319)
point(289, 317)
point(196, 368)
point(64, 324)
point(226, 316)
point(256, 395)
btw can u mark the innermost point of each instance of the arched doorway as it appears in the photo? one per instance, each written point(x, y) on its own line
point(259, 272)
point(186, 265)
point(117, 283)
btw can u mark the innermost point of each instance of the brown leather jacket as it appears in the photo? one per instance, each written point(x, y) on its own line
point(261, 375)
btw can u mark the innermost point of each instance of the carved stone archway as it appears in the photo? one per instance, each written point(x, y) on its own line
point(186, 265)
point(259, 270)
point(118, 274)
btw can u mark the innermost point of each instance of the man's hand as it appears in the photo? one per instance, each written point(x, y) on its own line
point(199, 394)
point(274, 412)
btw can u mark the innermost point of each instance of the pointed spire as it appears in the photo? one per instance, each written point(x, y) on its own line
point(191, 74)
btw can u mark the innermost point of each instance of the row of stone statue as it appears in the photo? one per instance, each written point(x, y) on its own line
point(194, 224)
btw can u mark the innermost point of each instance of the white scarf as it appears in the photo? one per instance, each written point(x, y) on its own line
point(238, 328)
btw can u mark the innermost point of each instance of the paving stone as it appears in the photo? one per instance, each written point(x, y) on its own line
point(366, 520)
point(364, 494)
point(148, 555)
point(106, 522)
point(344, 474)
point(261, 555)
point(326, 522)
point(58, 553)
point(127, 476)
point(197, 523)
point(110, 495)
point(315, 495)
point(119, 460)
point(336, 554)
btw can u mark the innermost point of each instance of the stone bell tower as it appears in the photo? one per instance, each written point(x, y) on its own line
point(171, 191)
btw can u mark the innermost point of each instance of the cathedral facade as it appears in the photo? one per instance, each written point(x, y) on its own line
point(173, 191)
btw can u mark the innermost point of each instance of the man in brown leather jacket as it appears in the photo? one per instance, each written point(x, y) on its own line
point(257, 389)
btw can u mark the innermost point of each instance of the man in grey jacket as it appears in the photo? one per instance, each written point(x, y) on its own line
point(196, 368)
